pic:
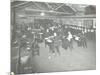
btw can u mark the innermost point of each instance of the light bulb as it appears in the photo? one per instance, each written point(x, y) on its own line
point(42, 14)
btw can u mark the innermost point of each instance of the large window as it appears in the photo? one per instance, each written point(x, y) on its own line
point(88, 23)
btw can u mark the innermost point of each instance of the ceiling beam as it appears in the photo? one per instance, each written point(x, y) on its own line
point(47, 11)
point(75, 17)
point(71, 7)
point(20, 4)
point(59, 7)
point(37, 5)
point(49, 6)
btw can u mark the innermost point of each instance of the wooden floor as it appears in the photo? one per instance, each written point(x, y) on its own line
point(77, 59)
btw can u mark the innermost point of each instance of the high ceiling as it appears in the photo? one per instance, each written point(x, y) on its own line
point(54, 9)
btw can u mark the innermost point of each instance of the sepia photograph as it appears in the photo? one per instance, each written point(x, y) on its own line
point(52, 37)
